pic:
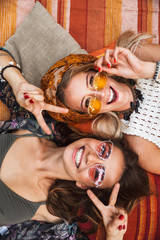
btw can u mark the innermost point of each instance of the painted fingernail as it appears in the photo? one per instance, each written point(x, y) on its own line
point(95, 67)
point(121, 217)
point(115, 60)
point(26, 96)
point(108, 65)
point(25, 93)
point(120, 227)
point(124, 226)
point(99, 69)
point(31, 101)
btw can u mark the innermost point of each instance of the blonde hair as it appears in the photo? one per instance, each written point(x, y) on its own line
point(107, 125)
point(132, 40)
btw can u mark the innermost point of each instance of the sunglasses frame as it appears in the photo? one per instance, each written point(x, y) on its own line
point(98, 73)
point(107, 141)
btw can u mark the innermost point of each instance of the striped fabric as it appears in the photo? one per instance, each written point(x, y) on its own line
point(95, 24)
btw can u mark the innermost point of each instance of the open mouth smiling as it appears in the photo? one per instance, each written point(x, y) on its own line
point(78, 156)
point(113, 96)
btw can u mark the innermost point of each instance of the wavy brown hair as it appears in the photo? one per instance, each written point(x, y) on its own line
point(72, 203)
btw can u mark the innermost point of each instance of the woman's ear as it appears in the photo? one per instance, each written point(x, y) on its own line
point(80, 185)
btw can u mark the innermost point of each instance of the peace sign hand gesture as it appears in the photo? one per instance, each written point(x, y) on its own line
point(31, 98)
point(114, 219)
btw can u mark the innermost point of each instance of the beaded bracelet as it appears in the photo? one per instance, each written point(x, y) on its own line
point(157, 72)
point(2, 69)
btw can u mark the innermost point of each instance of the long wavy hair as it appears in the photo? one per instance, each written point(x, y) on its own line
point(72, 203)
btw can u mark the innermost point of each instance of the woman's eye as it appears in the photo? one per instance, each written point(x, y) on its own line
point(91, 81)
point(87, 103)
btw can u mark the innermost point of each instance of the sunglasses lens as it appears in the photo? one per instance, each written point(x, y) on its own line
point(104, 150)
point(97, 173)
point(100, 80)
point(94, 106)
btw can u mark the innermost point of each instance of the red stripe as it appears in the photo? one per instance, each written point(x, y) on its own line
point(132, 225)
point(59, 12)
point(43, 2)
point(138, 221)
point(159, 22)
point(142, 15)
point(148, 215)
point(95, 22)
point(157, 182)
point(78, 21)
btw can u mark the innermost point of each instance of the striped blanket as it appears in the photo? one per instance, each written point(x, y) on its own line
point(95, 24)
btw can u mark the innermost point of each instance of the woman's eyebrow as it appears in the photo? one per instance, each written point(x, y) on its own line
point(86, 87)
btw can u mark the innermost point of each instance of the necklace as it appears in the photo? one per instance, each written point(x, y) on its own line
point(137, 98)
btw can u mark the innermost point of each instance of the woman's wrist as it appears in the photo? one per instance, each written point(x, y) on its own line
point(149, 69)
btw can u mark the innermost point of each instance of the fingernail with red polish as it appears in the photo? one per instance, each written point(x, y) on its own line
point(25, 93)
point(108, 65)
point(121, 217)
point(120, 227)
point(124, 226)
point(115, 60)
point(26, 96)
point(99, 69)
point(31, 101)
point(95, 67)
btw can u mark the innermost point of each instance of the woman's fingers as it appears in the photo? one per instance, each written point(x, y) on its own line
point(52, 108)
point(95, 200)
point(42, 123)
point(114, 194)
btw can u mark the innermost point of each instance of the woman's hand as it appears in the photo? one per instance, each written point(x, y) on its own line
point(114, 219)
point(31, 98)
point(122, 62)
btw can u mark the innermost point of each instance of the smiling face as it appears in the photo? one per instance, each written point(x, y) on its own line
point(114, 96)
point(81, 160)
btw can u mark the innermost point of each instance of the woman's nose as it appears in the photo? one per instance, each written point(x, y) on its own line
point(100, 94)
point(92, 159)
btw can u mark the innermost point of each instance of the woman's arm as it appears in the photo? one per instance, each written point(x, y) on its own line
point(148, 52)
point(148, 152)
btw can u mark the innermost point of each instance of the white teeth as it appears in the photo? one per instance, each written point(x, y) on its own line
point(111, 95)
point(78, 156)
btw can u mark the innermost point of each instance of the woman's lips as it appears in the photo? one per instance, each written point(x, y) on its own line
point(77, 156)
point(113, 96)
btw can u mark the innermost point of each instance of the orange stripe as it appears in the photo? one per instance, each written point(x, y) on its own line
point(153, 209)
point(49, 6)
point(7, 19)
point(112, 21)
point(65, 15)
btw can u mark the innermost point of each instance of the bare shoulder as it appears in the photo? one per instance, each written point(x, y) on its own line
point(148, 152)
